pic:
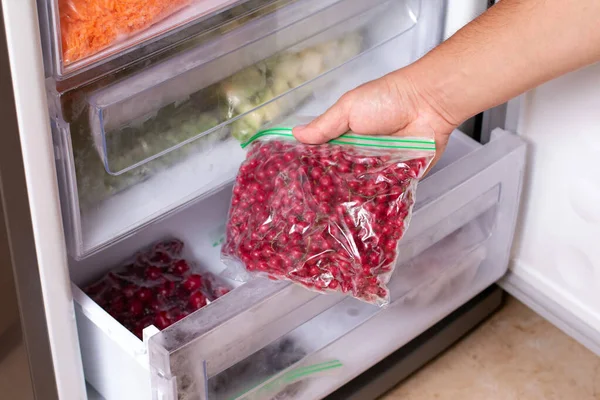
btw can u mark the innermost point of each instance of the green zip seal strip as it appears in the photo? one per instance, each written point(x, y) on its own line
point(293, 375)
point(382, 142)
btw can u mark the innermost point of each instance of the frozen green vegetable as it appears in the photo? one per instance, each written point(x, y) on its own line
point(263, 82)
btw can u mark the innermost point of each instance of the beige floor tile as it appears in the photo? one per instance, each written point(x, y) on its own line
point(516, 355)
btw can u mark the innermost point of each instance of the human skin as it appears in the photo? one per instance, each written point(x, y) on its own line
point(514, 46)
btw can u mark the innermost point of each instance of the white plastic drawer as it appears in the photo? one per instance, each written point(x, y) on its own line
point(146, 145)
point(269, 336)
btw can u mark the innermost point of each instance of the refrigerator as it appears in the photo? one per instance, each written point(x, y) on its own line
point(111, 147)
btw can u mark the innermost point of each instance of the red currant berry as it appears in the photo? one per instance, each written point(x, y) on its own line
point(180, 267)
point(197, 300)
point(193, 282)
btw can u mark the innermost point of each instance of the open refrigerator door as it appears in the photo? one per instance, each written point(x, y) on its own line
point(147, 144)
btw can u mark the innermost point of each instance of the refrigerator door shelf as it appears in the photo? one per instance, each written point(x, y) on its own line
point(457, 244)
point(155, 142)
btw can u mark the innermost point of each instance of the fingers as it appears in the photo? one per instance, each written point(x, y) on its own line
point(330, 125)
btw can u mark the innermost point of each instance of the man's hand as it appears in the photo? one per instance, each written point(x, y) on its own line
point(392, 105)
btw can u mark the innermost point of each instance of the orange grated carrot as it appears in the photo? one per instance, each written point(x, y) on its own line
point(88, 26)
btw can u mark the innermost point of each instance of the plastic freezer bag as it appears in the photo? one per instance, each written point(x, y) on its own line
point(88, 26)
point(328, 217)
point(158, 286)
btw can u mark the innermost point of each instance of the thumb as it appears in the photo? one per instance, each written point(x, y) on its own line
point(333, 123)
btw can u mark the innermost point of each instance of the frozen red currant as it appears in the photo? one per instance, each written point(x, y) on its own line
point(180, 267)
point(136, 308)
point(130, 290)
point(167, 289)
point(153, 273)
point(197, 300)
point(193, 282)
point(144, 295)
point(157, 287)
point(162, 320)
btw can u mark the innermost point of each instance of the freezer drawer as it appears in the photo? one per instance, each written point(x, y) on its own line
point(266, 337)
point(134, 29)
point(140, 148)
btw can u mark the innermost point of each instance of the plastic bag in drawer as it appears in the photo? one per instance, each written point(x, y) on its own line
point(328, 217)
point(88, 26)
point(294, 383)
point(254, 370)
point(158, 286)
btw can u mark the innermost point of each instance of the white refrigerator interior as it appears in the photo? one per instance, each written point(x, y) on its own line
point(141, 141)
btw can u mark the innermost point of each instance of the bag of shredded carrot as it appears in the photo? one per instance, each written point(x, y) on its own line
point(88, 26)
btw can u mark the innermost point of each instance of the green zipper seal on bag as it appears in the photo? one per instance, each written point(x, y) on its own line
point(293, 375)
point(382, 142)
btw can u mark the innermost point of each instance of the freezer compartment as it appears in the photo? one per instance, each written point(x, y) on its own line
point(87, 33)
point(165, 137)
point(482, 186)
point(458, 243)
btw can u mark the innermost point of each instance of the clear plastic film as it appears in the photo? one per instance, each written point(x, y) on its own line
point(256, 370)
point(158, 286)
point(328, 217)
point(89, 26)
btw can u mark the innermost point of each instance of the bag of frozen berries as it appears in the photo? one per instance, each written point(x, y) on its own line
point(157, 286)
point(328, 217)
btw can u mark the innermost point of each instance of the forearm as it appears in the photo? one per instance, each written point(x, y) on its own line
point(513, 47)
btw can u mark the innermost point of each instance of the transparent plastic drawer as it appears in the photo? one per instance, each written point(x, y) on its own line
point(184, 99)
point(311, 360)
point(138, 149)
point(87, 33)
point(458, 244)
